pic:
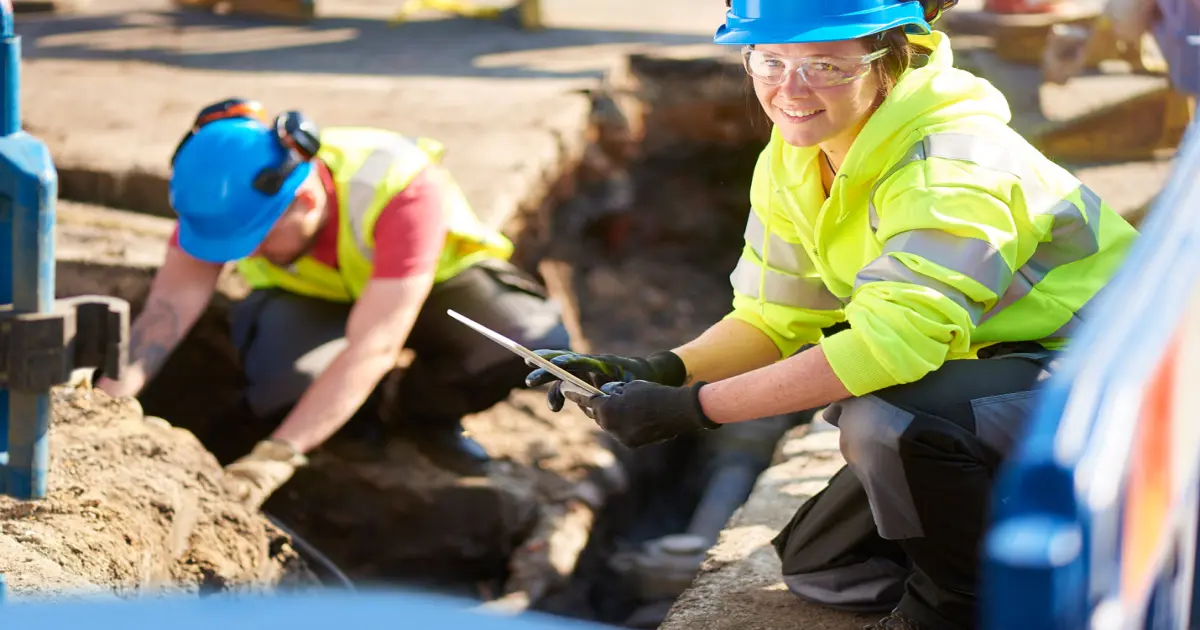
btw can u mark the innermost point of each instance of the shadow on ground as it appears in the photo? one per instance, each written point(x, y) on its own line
point(451, 47)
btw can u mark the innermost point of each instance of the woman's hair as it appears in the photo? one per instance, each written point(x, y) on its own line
point(899, 57)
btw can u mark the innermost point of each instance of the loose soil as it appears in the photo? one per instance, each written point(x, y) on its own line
point(134, 505)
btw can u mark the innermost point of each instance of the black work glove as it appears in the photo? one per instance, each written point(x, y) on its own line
point(664, 368)
point(640, 413)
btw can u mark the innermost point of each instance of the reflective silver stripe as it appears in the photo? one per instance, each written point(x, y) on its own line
point(888, 269)
point(363, 185)
point(781, 254)
point(972, 257)
point(1074, 232)
point(781, 288)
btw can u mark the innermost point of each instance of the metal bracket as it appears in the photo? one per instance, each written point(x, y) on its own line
point(40, 350)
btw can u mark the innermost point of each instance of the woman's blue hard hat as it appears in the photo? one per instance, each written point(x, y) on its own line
point(222, 216)
point(749, 22)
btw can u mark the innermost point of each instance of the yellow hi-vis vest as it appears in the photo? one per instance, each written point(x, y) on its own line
point(370, 167)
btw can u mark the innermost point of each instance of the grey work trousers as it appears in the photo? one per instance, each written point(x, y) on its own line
point(902, 523)
point(286, 340)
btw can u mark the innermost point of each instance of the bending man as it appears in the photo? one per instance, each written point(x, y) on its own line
point(355, 242)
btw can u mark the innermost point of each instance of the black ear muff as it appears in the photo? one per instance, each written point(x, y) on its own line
point(298, 133)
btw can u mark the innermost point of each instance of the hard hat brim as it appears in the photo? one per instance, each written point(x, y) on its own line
point(227, 248)
point(743, 32)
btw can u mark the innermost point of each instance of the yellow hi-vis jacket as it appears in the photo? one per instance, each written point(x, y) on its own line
point(370, 167)
point(944, 232)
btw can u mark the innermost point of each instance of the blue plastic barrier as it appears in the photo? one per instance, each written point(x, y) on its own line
point(28, 189)
point(316, 611)
point(1056, 556)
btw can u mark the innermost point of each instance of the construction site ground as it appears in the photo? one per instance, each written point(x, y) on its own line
point(111, 88)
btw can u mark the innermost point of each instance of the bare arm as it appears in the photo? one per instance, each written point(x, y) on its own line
point(178, 295)
point(728, 348)
point(804, 381)
point(378, 326)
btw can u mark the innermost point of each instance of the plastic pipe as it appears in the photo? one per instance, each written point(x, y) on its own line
point(6, 237)
point(726, 491)
point(10, 112)
point(28, 189)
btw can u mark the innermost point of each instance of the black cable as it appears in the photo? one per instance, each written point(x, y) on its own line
point(306, 549)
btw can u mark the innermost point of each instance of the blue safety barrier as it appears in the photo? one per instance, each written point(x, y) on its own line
point(1056, 554)
point(324, 610)
point(28, 189)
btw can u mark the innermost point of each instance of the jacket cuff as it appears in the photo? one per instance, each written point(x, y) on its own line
point(669, 367)
point(851, 359)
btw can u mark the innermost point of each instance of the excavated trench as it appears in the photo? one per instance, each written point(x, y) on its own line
point(639, 248)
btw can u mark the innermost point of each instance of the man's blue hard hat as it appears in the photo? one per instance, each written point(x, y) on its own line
point(222, 216)
point(800, 21)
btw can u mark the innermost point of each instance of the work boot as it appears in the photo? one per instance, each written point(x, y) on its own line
point(447, 447)
point(895, 621)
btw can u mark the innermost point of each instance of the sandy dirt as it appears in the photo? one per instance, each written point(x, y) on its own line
point(134, 506)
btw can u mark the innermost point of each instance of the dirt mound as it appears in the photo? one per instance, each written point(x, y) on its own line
point(134, 506)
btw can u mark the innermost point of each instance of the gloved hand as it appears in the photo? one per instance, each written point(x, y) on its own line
point(254, 477)
point(640, 413)
point(664, 368)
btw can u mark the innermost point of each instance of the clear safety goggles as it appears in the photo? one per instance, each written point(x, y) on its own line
point(820, 71)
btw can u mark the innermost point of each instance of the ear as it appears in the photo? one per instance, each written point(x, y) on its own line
point(307, 194)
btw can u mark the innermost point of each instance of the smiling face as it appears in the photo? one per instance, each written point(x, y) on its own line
point(845, 94)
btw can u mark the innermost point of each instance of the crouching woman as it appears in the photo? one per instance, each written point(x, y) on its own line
point(911, 263)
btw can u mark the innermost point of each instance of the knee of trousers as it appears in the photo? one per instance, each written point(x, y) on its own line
point(873, 585)
point(871, 430)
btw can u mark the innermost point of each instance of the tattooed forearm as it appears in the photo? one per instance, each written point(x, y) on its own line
point(154, 335)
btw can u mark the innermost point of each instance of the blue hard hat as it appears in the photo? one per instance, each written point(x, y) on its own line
point(223, 216)
point(801, 21)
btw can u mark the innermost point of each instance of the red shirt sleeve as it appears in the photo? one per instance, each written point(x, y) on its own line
point(411, 231)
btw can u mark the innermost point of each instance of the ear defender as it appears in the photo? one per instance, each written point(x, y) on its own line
point(298, 133)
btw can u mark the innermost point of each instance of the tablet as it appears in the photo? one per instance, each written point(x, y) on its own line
point(526, 353)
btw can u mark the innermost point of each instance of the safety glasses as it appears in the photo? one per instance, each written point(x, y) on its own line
point(820, 71)
point(935, 8)
point(270, 179)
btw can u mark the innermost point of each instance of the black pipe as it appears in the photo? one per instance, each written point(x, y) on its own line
point(310, 552)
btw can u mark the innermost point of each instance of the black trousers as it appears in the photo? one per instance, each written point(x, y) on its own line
point(286, 340)
point(901, 524)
